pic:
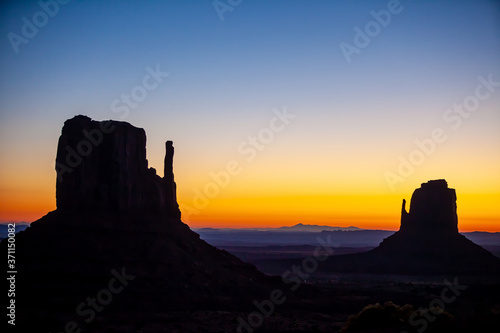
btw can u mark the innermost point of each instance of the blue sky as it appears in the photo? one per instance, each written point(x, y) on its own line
point(226, 77)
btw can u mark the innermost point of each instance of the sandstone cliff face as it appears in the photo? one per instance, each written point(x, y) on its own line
point(103, 165)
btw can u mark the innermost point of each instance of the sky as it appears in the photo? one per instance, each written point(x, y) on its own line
point(315, 112)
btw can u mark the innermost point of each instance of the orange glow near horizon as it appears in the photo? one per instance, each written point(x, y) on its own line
point(19, 207)
point(247, 203)
point(368, 212)
point(476, 212)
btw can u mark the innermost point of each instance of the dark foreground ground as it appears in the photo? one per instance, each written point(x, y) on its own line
point(327, 307)
point(353, 302)
point(309, 301)
point(334, 303)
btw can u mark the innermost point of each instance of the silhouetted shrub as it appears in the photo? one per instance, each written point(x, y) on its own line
point(394, 318)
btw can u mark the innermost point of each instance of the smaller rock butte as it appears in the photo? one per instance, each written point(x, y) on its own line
point(432, 209)
point(427, 243)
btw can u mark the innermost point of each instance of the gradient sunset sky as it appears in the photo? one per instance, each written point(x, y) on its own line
point(352, 124)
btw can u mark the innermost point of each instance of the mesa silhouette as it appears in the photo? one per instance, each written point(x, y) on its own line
point(117, 220)
point(427, 243)
point(116, 256)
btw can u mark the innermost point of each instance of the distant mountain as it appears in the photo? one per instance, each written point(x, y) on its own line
point(295, 228)
point(301, 234)
point(243, 237)
point(315, 228)
point(4, 226)
point(484, 238)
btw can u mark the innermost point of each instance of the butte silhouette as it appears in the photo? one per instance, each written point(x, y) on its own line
point(115, 247)
point(427, 243)
point(115, 251)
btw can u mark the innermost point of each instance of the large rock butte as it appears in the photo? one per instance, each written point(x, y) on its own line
point(116, 216)
point(103, 165)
